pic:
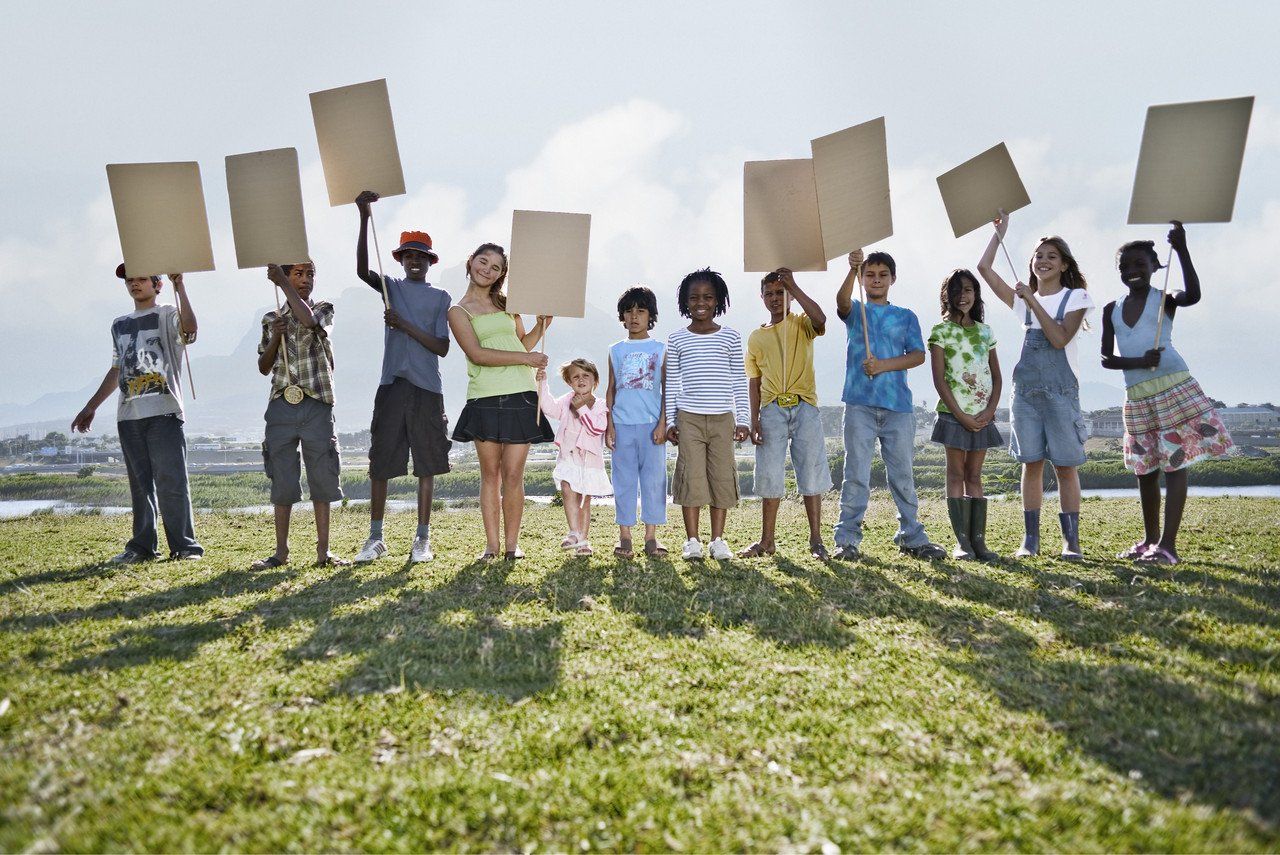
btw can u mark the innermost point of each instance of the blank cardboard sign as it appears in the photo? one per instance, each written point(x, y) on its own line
point(160, 217)
point(1189, 163)
point(976, 190)
point(780, 222)
point(851, 170)
point(265, 193)
point(357, 141)
point(548, 270)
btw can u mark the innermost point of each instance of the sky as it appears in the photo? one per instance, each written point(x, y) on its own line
point(641, 115)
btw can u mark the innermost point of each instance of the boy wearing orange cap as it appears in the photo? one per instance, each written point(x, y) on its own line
point(146, 357)
point(408, 410)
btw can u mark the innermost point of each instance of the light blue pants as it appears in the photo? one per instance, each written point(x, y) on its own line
point(896, 431)
point(639, 466)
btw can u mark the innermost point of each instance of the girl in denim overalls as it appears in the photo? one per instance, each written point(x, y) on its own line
point(1046, 417)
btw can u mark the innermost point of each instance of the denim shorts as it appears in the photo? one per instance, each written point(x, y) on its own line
point(800, 428)
point(1047, 423)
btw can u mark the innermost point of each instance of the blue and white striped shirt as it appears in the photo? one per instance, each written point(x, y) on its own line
point(705, 374)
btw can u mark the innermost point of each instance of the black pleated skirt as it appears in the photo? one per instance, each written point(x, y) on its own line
point(509, 419)
point(948, 431)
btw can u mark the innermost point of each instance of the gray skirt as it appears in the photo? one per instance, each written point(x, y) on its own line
point(948, 431)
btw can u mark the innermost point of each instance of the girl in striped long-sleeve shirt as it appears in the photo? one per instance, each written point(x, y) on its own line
point(707, 409)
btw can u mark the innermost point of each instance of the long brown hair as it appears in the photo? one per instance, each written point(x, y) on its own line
point(1071, 277)
point(496, 296)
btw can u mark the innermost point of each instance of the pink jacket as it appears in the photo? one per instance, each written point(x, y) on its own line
point(581, 438)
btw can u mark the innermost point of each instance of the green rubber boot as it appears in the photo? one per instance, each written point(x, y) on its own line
point(960, 511)
point(978, 531)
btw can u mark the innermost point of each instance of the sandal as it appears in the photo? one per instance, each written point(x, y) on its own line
point(1135, 552)
point(570, 540)
point(818, 550)
point(332, 560)
point(583, 548)
point(623, 549)
point(1159, 555)
point(513, 555)
point(271, 562)
point(755, 550)
point(486, 556)
point(654, 549)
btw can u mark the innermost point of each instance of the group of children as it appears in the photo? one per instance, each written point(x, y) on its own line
point(699, 391)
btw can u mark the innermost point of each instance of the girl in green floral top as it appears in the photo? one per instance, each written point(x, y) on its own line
point(966, 374)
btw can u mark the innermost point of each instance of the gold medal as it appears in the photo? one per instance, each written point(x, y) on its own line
point(293, 394)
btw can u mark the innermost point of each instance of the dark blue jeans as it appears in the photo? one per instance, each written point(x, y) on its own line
point(155, 453)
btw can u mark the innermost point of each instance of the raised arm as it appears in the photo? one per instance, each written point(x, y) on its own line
point(363, 201)
point(531, 338)
point(844, 297)
point(986, 264)
point(186, 315)
point(1191, 294)
point(811, 309)
point(460, 325)
point(297, 305)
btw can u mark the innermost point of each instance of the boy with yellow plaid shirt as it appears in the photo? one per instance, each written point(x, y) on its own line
point(295, 350)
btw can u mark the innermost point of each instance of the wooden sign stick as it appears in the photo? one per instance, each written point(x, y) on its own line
point(284, 339)
point(382, 277)
point(542, 348)
point(862, 305)
point(1164, 294)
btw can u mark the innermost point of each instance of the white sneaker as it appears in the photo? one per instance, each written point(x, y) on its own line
point(692, 550)
point(720, 550)
point(372, 550)
point(421, 550)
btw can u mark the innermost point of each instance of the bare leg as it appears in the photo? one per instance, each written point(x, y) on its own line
point(1032, 485)
point(955, 473)
point(1149, 493)
point(282, 514)
point(322, 529)
point(973, 461)
point(570, 507)
point(513, 458)
point(1068, 488)
point(624, 533)
point(650, 532)
point(490, 456)
point(813, 510)
point(717, 521)
point(584, 514)
point(768, 526)
point(690, 515)
point(426, 490)
point(1175, 489)
point(377, 499)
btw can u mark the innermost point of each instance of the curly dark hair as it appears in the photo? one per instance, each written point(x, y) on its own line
point(709, 276)
point(950, 295)
point(1147, 246)
point(639, 297)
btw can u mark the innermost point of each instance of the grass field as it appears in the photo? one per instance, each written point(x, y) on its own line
point(566, 704)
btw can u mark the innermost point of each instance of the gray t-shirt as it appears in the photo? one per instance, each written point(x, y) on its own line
point(426, 307)
point(147, 347)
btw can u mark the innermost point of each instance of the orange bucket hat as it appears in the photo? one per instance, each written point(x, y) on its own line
point(420, 241)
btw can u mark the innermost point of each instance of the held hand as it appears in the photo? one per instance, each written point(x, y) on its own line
point(610, 438)
point(855, 259)
point(393, 319)
point(1024, 291)
point(364, 200)
point(536, 360)
point(871, 366)
point(1178, 236)
point(673, 435)
point(545, 321)
point(276, 275)
point(785, 279)
point(740, 433)
point(1109, 361)
point(660, 433)
point(176, 280)
point(757, 436)
point(967, 422)
point(1151, 358)
point(279, 326)
point(1002, 223)
point(540, 375)
point(83, 420)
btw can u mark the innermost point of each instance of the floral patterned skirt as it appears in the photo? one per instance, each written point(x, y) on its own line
point(1172, 430)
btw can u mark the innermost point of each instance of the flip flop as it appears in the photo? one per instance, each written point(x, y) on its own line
point(818, 550)
point(1135, 552)
point(271, 562)
point(623, 549)
point(332, 560)
point(1159, 555)
point(583, 548)
point(513, 555)
point(755, 550)
point(654, 549)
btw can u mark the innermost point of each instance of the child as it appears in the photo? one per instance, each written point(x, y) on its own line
point(706, 409)
point(784, 409)
point(1046, 417)
point(878, 407)
point(580, 465)
point(146, 360)
point(1169, 424)
point(295, 350)
point(408, 410)
point(966, 374)
point(637, 432)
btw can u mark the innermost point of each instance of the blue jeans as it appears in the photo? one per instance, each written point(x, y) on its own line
point(896, 431)
point(155, 455)
point(639, 467)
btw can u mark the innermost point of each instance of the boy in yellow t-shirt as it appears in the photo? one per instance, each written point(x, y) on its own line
point(784, 409)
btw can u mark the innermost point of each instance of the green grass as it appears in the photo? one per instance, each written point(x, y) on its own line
point(560, 703)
